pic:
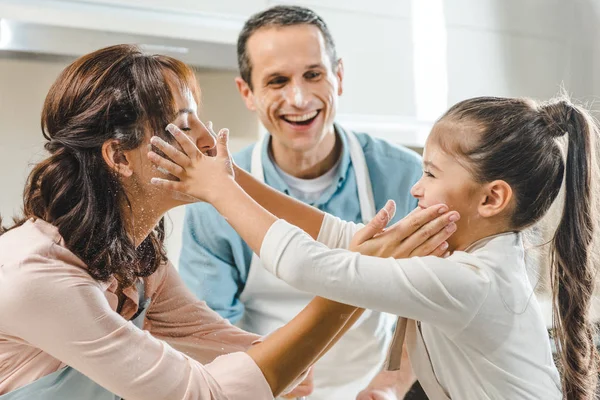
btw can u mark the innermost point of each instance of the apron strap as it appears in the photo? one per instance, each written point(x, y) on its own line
point(421, 362)
point(363, 181)
point(256, 166)
point(394, 356)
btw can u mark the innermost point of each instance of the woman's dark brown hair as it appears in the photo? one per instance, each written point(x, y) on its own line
point(516, 141)
point(113, 93)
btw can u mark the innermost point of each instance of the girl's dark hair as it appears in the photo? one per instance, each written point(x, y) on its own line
point(516, 141)
point(114, 93)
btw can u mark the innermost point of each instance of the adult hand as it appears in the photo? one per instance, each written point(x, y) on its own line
point(201, 176)
point(422, 232)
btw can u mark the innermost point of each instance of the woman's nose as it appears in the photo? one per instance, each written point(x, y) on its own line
point(205, 141)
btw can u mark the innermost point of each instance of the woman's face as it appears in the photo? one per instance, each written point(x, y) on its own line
point(140, 189)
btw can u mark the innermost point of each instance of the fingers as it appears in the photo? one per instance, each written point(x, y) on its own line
point(184, 197)
point(441, 250)
point(165, 164)
point(416, 219)
point(176, 188)
point(186, 143)
point(377, 224)
point(209, 128)
point(432, 234)
point(391, 210)
point(222, 142)
point(168, 184)
point(177, 156)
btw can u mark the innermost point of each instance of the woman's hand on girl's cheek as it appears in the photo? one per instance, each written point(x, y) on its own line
point(200, 176)
point(420, 233)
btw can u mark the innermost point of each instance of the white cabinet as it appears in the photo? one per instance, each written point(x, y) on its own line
point(240, 8)
point(219, 23)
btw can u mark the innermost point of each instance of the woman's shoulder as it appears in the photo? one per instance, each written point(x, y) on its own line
point(36, 271)
point(35, 241)
point(33, 255)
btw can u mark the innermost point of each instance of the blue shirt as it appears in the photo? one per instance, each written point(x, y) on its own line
point(214, 259)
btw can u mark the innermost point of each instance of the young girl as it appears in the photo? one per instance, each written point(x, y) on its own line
point(475, 329)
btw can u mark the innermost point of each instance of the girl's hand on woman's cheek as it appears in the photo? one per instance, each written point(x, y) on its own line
point(202, 177)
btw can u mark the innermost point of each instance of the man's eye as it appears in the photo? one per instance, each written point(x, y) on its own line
point(312, 75)
point(277, 81)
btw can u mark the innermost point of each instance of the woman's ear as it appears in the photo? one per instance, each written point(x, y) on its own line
point(116, 159)
point(496, 198)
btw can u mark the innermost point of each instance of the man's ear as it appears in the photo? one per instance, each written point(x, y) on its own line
point(116, 159)
point(246, 93)
point(339, 72)
point(496, 198)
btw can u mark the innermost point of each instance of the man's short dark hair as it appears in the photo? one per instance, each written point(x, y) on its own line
point(279, 16)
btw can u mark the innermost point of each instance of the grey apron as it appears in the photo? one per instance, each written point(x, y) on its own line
point(70, 384)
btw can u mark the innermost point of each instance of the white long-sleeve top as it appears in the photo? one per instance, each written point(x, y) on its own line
point(479, 332)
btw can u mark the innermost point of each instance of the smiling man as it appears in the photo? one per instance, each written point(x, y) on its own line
point(291, 76)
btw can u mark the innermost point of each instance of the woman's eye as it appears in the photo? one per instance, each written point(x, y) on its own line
point(185, 129)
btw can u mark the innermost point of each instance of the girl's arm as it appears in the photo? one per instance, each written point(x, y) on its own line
point(422, 232)
point(290, 350)
point(211, 179)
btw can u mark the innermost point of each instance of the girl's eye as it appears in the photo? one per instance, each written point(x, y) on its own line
point(428, 174)
point(186, 129)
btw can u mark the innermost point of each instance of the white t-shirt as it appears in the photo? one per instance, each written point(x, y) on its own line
point(483, 333)
point(309, 190)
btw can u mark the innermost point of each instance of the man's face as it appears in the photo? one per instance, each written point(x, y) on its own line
point(295, 88)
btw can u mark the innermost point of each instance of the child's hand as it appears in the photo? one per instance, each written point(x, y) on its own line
point(203, 177)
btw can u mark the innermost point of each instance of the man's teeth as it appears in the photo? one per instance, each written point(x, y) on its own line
point(301, 118)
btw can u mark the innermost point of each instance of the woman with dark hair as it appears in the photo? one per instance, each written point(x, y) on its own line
point(90, 306)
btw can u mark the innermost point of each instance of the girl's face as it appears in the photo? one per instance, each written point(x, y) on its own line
point(446, 181)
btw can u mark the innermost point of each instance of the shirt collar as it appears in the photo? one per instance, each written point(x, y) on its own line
point(273, 179)
point(501, 239)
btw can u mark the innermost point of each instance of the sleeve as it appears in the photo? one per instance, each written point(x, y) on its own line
point(439, 291)
point(336, 233)
point(61, 310)
point(188, 324)
point(214, 260)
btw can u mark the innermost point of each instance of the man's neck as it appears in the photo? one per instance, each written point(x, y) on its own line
point(308, 164)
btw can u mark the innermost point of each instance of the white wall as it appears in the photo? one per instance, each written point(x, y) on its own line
point(404, 66)
point(491, 47)
point(23, 87)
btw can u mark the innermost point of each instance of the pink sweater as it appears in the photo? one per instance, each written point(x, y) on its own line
point(53, 313)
